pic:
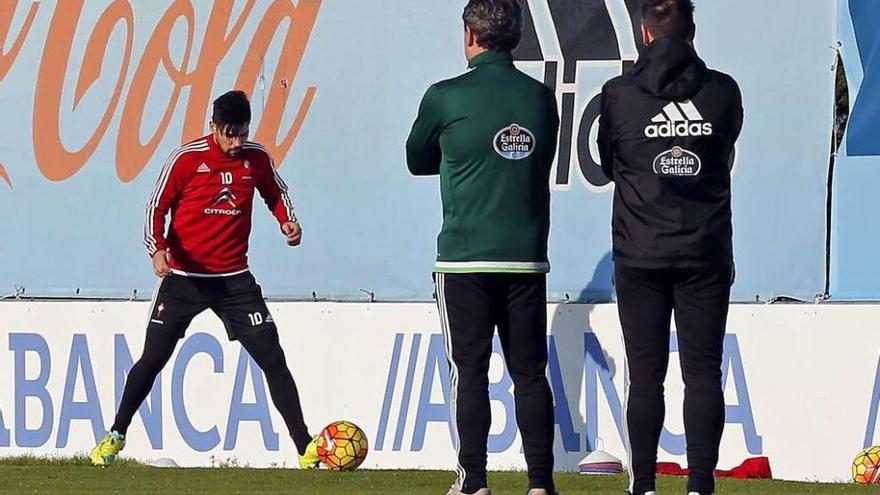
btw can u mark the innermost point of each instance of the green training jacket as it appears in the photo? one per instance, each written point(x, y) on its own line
point(491, 134)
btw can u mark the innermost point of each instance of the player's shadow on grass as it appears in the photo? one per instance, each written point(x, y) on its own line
point(570, 323)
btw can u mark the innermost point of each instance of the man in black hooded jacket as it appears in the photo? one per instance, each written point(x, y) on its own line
point(666, 139)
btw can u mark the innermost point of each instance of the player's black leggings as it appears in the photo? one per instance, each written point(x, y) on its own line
point(262, 346)
point(238, 301)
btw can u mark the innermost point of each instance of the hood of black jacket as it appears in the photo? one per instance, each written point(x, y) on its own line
point(670, 69)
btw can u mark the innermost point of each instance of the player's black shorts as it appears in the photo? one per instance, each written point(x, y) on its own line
point(237, 300)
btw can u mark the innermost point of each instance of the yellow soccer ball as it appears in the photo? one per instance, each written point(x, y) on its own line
point(342, 446)
point(866, 466)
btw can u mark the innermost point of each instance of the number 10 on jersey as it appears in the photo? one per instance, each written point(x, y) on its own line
point(256, 319)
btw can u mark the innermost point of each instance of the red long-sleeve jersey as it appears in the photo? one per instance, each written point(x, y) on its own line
point(210, 196)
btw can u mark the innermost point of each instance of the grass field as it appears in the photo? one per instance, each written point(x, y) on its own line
point(31, 475)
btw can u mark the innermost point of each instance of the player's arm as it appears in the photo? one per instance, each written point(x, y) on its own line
point(275, 192)
point(604, 140)
point(423, 145)
point(737, 113)
point(165, 194)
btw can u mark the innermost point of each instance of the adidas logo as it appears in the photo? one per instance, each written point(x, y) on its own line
point(203, 169)
point(678, 120)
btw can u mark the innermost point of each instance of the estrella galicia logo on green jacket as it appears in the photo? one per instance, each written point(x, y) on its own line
point(677, 162)
point(514, 142)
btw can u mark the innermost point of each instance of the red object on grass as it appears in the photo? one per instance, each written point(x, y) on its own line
point(757, 468)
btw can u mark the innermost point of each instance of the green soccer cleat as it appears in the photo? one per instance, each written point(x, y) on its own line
point(310, 459)
point(107, 449)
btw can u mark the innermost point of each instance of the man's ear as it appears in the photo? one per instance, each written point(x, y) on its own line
point(470, 37)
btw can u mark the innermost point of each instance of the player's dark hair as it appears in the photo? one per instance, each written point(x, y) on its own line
point(669, 18)
point(497, 24)
point(231, 110)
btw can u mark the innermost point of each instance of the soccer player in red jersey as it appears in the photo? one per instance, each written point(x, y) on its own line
point(208, 187)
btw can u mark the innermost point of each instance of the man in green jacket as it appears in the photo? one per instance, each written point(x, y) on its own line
point(491, 136)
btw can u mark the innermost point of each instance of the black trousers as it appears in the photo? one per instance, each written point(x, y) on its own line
point(646, 299)
point(471, 306)
point(238, 301)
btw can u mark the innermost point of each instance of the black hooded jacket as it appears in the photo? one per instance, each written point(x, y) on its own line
point(666, 139)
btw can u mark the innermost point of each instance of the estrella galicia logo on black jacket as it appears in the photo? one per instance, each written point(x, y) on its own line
point(514, 142)
point(677, 162)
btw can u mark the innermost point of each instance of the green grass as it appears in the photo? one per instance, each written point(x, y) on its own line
point(69, 476)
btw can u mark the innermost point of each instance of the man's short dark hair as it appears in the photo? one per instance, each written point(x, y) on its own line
point(232, 110)
point(669, 18)
point(497, 24)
